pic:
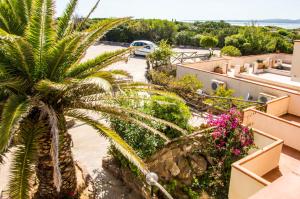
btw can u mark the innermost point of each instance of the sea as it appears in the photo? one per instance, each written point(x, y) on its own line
point(257, 23)
point(281, 25)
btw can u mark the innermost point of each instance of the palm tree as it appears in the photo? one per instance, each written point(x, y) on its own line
point(43, 81)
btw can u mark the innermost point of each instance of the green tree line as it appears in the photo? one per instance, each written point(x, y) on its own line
point(247, 39)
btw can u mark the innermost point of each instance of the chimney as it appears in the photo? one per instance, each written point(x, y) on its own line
point(295, 72)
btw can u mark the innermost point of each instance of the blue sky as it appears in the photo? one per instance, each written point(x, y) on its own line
point(191, 9)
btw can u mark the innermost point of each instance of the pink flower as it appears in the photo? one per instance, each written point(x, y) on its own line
point(236, 152)
point(216, 134)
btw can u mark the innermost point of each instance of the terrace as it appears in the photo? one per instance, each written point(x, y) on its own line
point(272, 76)
point(286, 175)
point(276, 164)
point(283, 114)
point(261, 172)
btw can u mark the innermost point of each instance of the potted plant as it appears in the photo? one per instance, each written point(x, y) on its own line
point(218, 69)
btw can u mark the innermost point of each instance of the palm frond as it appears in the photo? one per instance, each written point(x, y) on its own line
point(59, 57)
point(14, 109)
point(97, 63)
point(121, 145)
point(4, 22)
point(120, 113)
point(99, 84)
point(64, 21)
point(3, 32)
point(19, 56)
point(148, 88)
point(3, 155)
point(16, 85)
point(88, 16)
point(22, 168)
point(27, 9)
point(46, 87)
point(40, 34)
point(8, 20)
point(96, 32)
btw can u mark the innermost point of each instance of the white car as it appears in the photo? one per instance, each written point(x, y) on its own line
point(144, 47)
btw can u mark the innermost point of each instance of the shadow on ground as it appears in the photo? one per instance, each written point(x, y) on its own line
point(106, 186)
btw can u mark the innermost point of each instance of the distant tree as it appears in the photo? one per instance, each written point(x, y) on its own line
point(231, 51)
point(209, 42)
point(185, 38)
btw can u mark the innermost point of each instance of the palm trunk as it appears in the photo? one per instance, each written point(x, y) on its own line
point(45, 166)
point(45, 170)
point(67, 166)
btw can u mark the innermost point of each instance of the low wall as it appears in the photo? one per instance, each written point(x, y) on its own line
point(211, 65)
point(246, 174)
point(279, 72)
point(278, 106)
point(267, 81)
point(287, 131)
point(286, 58)
point(242, 186)
point(294, 105)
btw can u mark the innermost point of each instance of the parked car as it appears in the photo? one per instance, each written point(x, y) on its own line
point(144, 47)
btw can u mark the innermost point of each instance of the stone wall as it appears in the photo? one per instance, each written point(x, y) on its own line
point(181, 160)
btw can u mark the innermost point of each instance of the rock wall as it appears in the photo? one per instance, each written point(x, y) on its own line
point(182, 159)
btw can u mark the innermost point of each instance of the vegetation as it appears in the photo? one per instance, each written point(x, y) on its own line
point(161, 56)
point(223, 99)
point(231, 51)
point(149, 29)
point(258, 40)
point(248, 39)
point(228, 142)
point(186, 84)
point(162, 107)
point(43, 81)
point(209, 42)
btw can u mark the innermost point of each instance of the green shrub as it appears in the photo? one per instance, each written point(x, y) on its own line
point(188, 83)
point(162, 55)
point(175, 111)
point(169, 109)
point(185, 38)
point(196, 40)
point(209, 42)
point(159, 78)
point(231, 51)
point(224, 104)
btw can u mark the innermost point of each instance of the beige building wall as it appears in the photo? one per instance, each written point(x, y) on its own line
point(289, 132)
point(296, 62)
point(246, 174)
point(242, 87)
point(242, 186)
point(278, 107)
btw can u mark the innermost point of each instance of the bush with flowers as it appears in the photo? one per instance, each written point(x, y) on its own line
point(229, 141)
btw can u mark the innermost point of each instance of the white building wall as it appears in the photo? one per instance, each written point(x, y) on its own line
point(242, 87)
point(296, 62)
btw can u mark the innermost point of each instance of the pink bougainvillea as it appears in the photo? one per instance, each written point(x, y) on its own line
point(227, 142)
point(229, 135)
